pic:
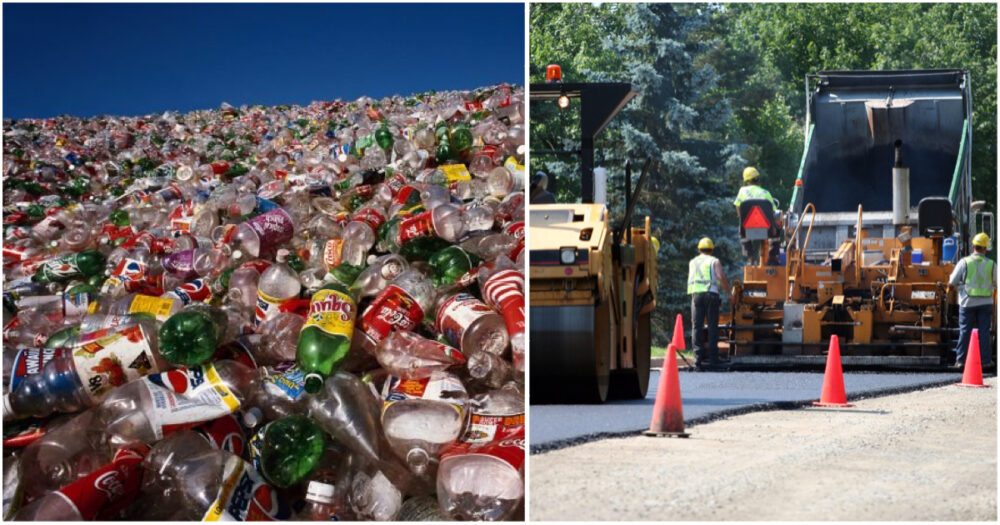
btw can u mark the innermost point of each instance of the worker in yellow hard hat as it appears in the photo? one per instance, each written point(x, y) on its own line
point(975, 277)
point(705, 279)
point(751, 189)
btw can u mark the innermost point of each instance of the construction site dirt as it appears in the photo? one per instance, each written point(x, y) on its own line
point(925, 455)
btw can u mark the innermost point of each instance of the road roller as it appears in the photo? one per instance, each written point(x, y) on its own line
point(593, 279)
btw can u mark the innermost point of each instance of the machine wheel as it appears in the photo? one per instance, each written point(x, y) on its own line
point(571, 350)
point(633, 383)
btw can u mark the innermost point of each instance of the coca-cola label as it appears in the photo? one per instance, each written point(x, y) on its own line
point(370, 216)
point(332, 312)
point(194, 291)
point(245, 496)
point(504, 292)
point(105, 491)
point(187, 397)
point(395, 183)
point(113, 360)
point(507, 443)
point(272, 228)
point(515, 230)
point(224, 433)
point(457, 314)
point(332, 253)
point(414, 226)
point(393, 309)
point(30, 361)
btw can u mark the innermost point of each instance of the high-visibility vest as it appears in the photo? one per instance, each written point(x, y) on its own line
point(753, 192)
point(978, 276)
point(701, 275)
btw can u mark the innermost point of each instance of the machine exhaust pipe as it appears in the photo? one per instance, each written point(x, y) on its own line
point(900, 189)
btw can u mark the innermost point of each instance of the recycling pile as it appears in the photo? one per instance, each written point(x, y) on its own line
point(298, 312)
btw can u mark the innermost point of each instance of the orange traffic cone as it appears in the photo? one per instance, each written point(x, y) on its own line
point(668, 413)
point(833, 394)
point(679, 333)
point(972, 376)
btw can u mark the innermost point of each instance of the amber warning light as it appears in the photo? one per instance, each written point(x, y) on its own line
point(553, 73)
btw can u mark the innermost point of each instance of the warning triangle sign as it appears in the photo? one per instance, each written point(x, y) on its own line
point(756, 219)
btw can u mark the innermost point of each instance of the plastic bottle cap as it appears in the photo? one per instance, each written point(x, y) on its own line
point(282, 255)
point(237, 254)
point(320, 492)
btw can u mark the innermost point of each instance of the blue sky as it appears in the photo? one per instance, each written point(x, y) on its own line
point(133, 59)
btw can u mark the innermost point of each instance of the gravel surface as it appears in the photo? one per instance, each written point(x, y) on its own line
point(926, 455)
point(707, 396)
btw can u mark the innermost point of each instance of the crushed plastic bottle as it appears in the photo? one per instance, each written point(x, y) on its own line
point(253, 312)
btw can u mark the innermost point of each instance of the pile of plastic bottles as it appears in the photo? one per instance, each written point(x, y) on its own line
point(299, 312)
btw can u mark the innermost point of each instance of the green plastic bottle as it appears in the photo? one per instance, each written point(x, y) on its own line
point(384, 137)
point(325, 339)
point(191, 336)
point(449, 265)
point(290, 449)
point(79, 265)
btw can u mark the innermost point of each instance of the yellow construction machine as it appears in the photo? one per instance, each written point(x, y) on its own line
point(593, 282)
point(870, 239)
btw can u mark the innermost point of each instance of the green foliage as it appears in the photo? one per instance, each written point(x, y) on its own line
point(764, 52)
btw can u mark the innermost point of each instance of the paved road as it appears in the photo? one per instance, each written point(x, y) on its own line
point(705, 396)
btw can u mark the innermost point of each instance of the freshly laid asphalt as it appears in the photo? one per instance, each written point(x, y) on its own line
point(708, 396)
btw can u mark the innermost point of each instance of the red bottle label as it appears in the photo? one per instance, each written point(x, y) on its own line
point(506, 443)
point(107, 490)
point(371, 217)
point(457, 314)
point(415, 226)
point(504, 292)
point(392, 309)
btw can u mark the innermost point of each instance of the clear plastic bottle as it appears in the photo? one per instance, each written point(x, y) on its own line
point(470, 325)
point(400, 306)
point(410, 356)
point(421, 417)
point(278, 284)
point(85, 377)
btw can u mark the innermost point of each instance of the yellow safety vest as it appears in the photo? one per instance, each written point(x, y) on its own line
point(978, 276)
point(701, 275)
point(753, 192)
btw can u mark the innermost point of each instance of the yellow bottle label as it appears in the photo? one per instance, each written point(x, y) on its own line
point(456, 172)
point(332, 312)
point(147, 304)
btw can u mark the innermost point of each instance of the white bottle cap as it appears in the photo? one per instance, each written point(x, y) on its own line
point(320, 492)
point(282, 255)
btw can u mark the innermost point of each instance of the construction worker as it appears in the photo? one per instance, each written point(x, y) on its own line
point(705, 276)
point(752, 190)
point(539, 189)
point(976, 279)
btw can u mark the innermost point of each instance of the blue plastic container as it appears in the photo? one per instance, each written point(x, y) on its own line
point(917, 257)
point(949, 249)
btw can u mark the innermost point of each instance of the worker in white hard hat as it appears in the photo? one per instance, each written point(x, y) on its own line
point(975, 277)
point(705, 279)
point(752, 189)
